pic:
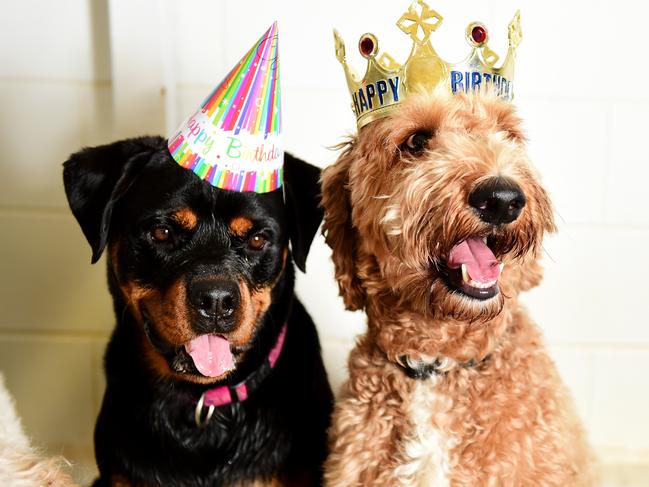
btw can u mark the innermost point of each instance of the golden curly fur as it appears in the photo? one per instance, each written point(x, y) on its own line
point(391, 218)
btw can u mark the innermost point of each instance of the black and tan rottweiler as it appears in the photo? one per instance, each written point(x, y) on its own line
point(213, 372)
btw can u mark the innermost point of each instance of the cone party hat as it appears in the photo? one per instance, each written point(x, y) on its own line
point(233, 141)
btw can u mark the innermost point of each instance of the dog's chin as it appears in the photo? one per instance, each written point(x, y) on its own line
point(459, 303)
point(457, 281)
point(455, 295)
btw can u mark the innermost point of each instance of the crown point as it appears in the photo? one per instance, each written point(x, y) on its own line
point(479, 34)
point(368, 46)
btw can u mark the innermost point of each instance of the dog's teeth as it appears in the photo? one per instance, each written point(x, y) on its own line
point(465, 274)
point(502, 266)
point(480, 285)
point(484, 240)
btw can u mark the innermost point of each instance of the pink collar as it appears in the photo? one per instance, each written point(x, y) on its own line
point(222, 395)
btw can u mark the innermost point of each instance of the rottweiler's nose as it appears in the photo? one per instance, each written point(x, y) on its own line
point(216, 301)
point(497, 200)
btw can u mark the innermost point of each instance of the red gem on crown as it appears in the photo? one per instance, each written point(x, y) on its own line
point(479, 34)
point(367, 46)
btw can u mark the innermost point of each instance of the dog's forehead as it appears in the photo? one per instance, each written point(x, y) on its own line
point(163, 186)
point(467, 112)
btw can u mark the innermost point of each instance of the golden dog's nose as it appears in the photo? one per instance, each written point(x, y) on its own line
point(497, 200)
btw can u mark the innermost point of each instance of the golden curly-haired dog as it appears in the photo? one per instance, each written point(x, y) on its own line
point(435, 217)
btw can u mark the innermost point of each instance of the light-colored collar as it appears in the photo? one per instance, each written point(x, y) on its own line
point(422, 370)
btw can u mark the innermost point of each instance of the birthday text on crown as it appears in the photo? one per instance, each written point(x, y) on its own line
point(363, 99)
point(376, 95)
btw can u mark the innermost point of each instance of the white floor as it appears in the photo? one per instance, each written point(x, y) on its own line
point(625, 476)
point(611, 476)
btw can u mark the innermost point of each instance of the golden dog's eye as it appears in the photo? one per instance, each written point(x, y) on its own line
point(161, 233)
point(257, 242)
point(418, 141)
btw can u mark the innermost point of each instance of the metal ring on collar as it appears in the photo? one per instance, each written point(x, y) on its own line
point(198, 412)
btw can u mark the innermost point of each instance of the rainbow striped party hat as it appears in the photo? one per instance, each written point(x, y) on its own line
point(233, 141)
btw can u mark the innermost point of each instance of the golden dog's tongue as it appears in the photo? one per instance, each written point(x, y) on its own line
point(211, 355)
point(480, 262)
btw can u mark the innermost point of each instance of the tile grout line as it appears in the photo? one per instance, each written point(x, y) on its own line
point(600, 346)
point(57, 81)
point(6, 210)
point(14, 334)
point(608, 124)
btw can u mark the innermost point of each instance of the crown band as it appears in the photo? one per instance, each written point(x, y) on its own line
point(385, 91)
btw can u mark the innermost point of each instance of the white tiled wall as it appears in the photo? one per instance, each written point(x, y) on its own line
point(83, 72)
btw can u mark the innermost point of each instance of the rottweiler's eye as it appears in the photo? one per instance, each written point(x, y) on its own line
point(160, 233)
point(417, 142)
point(257, 241)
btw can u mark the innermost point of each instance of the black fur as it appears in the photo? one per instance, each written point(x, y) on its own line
point(145, 431)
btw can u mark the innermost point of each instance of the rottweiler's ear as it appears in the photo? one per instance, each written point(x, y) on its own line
point(302, 200)
point(97, 177)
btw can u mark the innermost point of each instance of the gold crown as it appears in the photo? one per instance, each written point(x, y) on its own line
point(387, 83)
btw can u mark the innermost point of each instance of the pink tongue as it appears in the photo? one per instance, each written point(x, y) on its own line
point(481, 263)
point(211, 355)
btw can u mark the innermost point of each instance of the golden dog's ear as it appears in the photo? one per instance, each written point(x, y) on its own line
point(338, 230)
